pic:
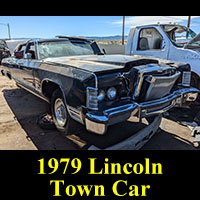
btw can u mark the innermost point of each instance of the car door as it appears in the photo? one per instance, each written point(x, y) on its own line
point(151, 42)
point(28, 65)
point(12, 62)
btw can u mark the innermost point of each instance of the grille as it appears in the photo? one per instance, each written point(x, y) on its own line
point(160, 86)
point(152, 76)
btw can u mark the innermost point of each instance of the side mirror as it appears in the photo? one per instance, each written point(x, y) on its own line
point(28, 56)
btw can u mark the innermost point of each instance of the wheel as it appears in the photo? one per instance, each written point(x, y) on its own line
point(59, 111)
point(45, 121)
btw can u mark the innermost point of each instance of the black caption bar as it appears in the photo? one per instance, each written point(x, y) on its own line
point(99, 174)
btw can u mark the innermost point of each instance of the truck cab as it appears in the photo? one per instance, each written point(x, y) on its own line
point(166, 41)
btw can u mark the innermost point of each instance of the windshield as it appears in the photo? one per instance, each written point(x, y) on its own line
point(60, 48)
point(179, 35)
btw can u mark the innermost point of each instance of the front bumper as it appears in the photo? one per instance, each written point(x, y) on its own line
point(137, 140)
point(99, 123)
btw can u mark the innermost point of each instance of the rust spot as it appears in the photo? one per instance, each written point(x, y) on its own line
point(73, 59)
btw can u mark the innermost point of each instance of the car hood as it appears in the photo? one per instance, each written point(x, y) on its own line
point(99, 63)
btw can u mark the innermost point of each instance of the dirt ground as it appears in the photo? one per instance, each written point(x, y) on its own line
point(19, 112)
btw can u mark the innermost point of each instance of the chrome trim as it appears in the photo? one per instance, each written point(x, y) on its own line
point(141, 110)
point(137, 140)
point(186, 79)
point(160, 85)
point(141, 71)
point(96, 80)
point(26, 87)
point(75, 114)
point(60, 112)
point(91, 98)
point(138, 86)
point(145, 113)
point(37, 49)
point(122, 109)
point(153, 78)
point(92, 95)
point(99, 123)
point(173, 99)
point(95, 127)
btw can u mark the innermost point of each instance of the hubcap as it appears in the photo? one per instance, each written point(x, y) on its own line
point(60, 112)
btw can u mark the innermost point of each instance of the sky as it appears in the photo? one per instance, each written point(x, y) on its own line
point(50, 26)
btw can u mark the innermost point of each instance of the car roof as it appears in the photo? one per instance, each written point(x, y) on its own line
point(74, 38)
point(159, 24)
point(61, 38)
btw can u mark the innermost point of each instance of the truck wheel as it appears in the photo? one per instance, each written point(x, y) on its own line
point(59, 111)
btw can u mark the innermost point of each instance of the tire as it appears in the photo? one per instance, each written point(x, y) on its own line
point(43, 123)
point(59, 111)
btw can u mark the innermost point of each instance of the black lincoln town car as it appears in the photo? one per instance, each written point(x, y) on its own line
point(96, 90)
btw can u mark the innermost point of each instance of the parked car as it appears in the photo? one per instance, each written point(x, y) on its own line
point(4, 51)
point(96, 90)
point(171, 42)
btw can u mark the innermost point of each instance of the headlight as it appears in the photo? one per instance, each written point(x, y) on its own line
point(111, 93)
point(101, 95)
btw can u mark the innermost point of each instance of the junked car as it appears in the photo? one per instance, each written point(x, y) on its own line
point(96, 90)
point(4, 51)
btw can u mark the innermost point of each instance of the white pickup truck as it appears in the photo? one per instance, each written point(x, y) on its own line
point(167, 41)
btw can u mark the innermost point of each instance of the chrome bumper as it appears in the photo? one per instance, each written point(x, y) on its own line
point(137, 140)
point(99, 123)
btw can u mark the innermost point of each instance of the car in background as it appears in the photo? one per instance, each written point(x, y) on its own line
point(4, 50)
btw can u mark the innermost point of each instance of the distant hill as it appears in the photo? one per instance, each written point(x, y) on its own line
point(107, 38)
point(97, 38)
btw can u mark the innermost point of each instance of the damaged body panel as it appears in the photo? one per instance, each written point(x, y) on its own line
point(94, 89)
point(4, 51)
point(172, 42)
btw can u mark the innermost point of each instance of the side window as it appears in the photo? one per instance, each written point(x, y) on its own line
point(149, 39)
point(31, 50)
point(19, 53)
